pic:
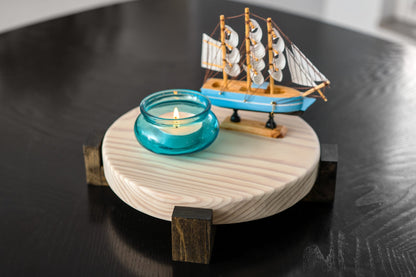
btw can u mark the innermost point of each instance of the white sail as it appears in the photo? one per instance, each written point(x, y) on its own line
point(276, 75)
point(258, 65)
point(233, 70)
point(279, 45)
point(211, 55)
point(258, 79)
point(279, 61)
point(258, 51)
point(231, 36)
point(233, 56)
point(307, 65)
point(299, 76)
point(255, 75)
point(255, 31)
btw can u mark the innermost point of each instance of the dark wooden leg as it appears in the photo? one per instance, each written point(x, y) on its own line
point(92, 158)
point(324, 188)
point(235, 117)
point(192, 235)
point(270, 123)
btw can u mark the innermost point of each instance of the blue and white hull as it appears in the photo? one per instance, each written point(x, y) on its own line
point(254, 102)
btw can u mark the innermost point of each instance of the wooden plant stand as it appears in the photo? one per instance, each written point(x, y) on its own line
point(229, 182)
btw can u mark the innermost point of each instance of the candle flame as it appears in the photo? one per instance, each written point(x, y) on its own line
point(175, 113)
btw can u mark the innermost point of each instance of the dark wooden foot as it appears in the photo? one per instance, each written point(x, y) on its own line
point(235, 117)
point(92, 158)
point(192, 235)
point(270, 123)
point(324, 188)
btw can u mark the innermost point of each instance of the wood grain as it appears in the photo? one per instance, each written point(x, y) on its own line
point(192, 235)
point(241, 177)
point(94, 171)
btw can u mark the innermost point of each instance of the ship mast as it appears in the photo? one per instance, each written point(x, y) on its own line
point(224, 51)
point(248, 51)
point(270, 42)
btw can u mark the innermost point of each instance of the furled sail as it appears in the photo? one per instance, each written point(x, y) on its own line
point(232, 70)
point(278, 42)
point(298, 74)
point(257, 53)
point(255, 31)
point(279, 60)
point(258, 78)
point(279, 63)
point(233, 54)
point(257, 49)
point(211, 56)
point(255, 75)
point(307, 65)
point(258, 65)
point(231, 37)
point(276, 75)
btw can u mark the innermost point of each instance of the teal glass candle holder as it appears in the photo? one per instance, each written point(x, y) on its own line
point(175, 122)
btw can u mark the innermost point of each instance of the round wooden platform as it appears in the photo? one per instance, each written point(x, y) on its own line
point(242, 177)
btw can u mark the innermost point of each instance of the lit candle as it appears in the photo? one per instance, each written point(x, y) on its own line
point(176, 128)
point(178, 135)
point(176, 122)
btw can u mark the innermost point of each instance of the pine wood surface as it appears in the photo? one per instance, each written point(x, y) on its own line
point(242, 177)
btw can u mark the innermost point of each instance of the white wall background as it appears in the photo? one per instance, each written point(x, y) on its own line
point(354, 14)
point(19, 13)
point(359, 15)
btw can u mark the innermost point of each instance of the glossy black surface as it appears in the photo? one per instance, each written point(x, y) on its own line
point(63, 78)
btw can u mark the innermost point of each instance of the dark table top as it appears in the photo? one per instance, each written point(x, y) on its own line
point(61, 79)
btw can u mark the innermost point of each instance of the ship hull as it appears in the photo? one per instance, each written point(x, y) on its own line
point(258, 100)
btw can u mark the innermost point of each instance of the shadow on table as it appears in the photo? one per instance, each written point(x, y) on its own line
point(272, 245)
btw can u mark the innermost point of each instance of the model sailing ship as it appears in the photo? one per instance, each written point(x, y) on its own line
point(255, 93)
